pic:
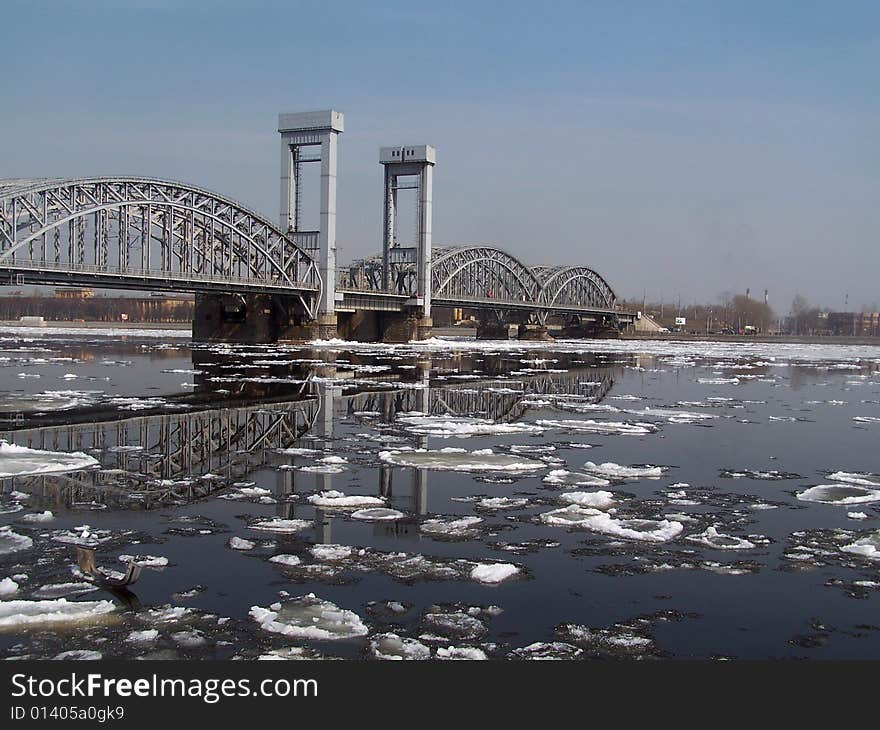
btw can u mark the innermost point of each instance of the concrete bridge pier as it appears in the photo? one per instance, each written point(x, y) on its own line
point(392, 327)
point(251, 319)
point(534, 332)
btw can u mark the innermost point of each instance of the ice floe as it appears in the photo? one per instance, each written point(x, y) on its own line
point(19, 614)
point(565, 478)
point(461, 426)
point(8, 587)
point(11, 542)
point(393, 647)
point(334, 499)
point(309, 617)
point(710, 537)
point(607, 427)
point(616, 471)
point(597, 500)
point(452, 459)
point(598, 521)
point(866, 547)
point(493, 572)
point(21, 461)
point(377, 514)
point(277, 524)
point(839, 494)
point(459, 527)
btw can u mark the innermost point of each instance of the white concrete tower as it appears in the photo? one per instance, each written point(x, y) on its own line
point(302, 130)
point(415, 163)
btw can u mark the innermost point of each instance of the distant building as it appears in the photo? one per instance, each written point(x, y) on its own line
point(854, 324)
point(74, 293)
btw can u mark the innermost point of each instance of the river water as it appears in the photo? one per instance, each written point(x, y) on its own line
point(446, 499)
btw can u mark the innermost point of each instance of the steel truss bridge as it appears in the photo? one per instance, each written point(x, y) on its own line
point(158, 235)
point(485, 277)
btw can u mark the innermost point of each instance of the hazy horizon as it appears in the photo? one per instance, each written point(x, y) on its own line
point(682, 149)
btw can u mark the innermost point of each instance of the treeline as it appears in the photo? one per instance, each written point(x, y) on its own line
point(731, 313)
point(97, 309)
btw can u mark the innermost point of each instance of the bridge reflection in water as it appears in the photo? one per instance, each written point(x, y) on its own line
point(177, 457)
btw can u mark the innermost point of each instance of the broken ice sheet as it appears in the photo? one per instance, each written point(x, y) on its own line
point(452, 459)
point(309, 617)
point(21, 461)
point(461, 426)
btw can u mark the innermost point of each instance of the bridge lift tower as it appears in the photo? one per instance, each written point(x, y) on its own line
point(299, 132)
point(416, 165)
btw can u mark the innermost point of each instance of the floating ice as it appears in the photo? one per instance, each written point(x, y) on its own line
point(597, 521)
point(309, 617)
point(597, 500)
point(451, 459)
point(493, 572)
point(565, 478)
point(288, 560)
point(857, 515)
point(616, 471)
point(238, 543)
point(714, 539)
point(338, 500)
point(7, 587)
point(462, 427)
point(377, 514)
point(277, 524)
point(46, 516)
point(145, 561)
point(78, 655)
point(296, 451)
point(502, 503)
point(457, 527)
point(839, 494)
point(11, 542)
point(609, 427)
point(866, 547)
point(330, 552)
point(25, 614)
point(547, 650)
point(673, 415)
point(853, 477)
point(393, 647)
point(59, 590)
point(148, 636)
point(456, 623)
point(21, 461)
point(466, 653)
point(866, 419)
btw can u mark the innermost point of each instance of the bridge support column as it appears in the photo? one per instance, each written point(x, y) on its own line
point(536, 332)
point(250, 318)
point(299, 133)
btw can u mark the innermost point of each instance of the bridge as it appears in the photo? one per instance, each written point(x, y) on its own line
point(256, 281)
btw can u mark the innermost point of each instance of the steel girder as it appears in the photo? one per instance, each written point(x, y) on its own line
point(146, 233)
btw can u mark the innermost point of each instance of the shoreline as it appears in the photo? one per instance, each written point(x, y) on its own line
point(781, 339)
point(65, 324)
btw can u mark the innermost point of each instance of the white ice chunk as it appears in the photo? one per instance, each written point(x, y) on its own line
point(309, 617)
point(839, 494)
point(24, 614)
point(460, 460)
point(20, 461)
point(597, 521)
point(493, 572)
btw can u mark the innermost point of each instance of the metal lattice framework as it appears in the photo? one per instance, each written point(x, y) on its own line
point(481, 272)
point(574, 285)
point(142, 233)
point(158, 459)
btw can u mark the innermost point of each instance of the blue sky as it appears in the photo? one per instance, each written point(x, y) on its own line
point(680, 148)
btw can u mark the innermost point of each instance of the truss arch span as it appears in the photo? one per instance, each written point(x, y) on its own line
point(574, 286)
point(482, 272)
point(135, 229)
